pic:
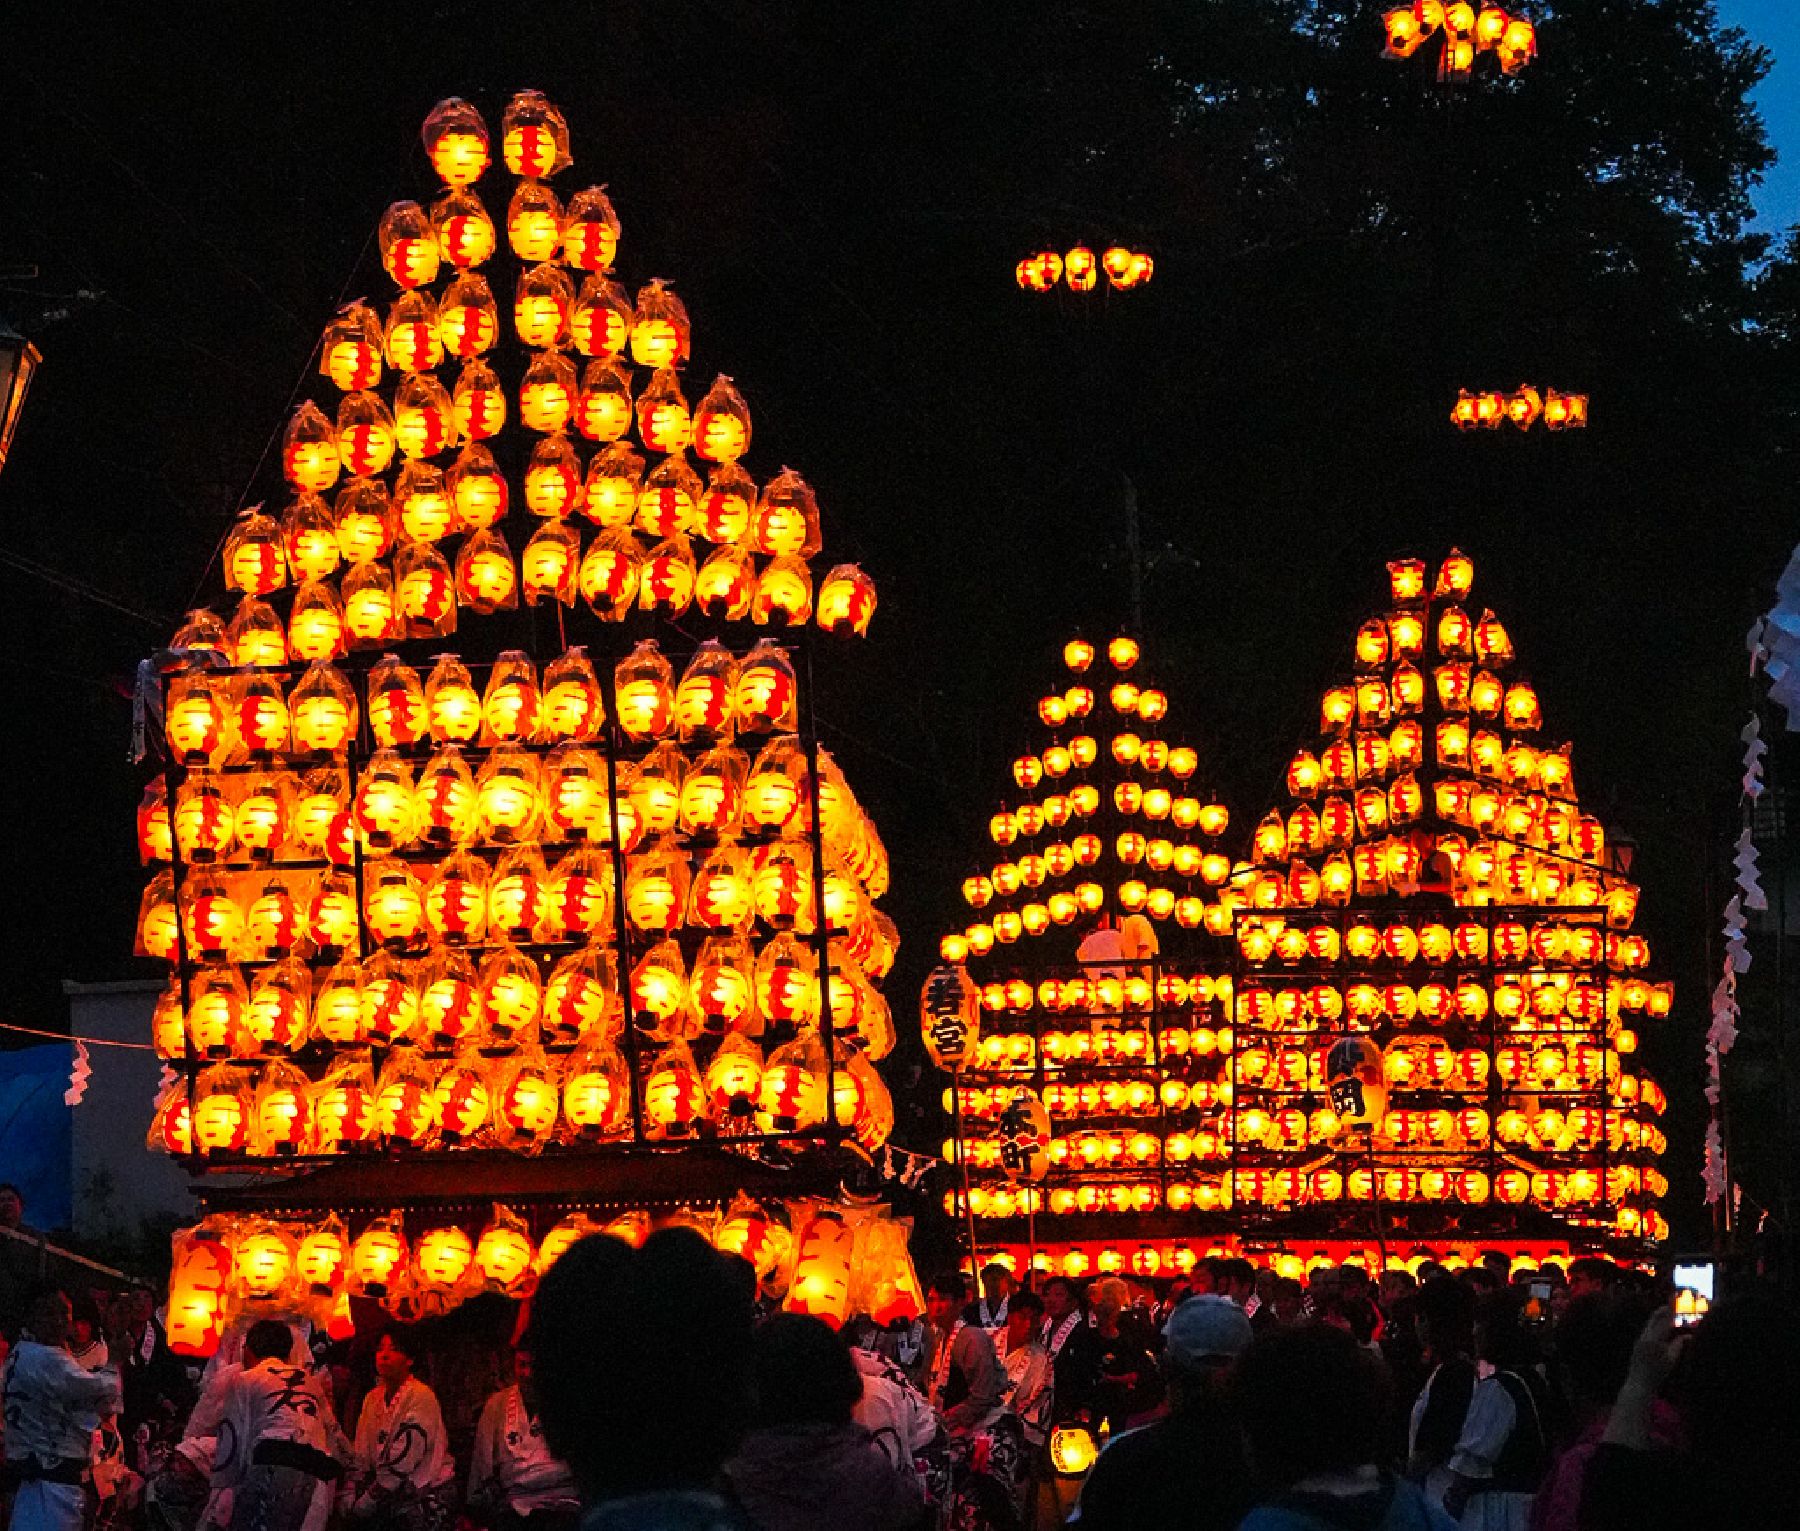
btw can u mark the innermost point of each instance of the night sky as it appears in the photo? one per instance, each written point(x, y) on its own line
point(839, 194)
point(1776, 25)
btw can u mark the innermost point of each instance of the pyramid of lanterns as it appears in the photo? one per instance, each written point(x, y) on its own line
point(574, 879)
point(1437, 988)
point(1085, 1011)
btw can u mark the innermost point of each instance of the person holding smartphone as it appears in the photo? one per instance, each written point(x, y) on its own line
point(1731, 1376)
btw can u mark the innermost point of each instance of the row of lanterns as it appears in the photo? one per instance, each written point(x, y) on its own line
point(464, 904)
point(213, 718)
point(1519, 942)
point(619, 573)
point(1567, 1191)
point(1289, 1130)
point(1080, 269)
point(614, 490)
point(831, 1261)
point(522, 1100)
point(506, 998)
point(1296, 1263)
point(1524, 408)
point(1467, 32)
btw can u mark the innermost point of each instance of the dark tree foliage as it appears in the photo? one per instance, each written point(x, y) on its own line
point(841, 192)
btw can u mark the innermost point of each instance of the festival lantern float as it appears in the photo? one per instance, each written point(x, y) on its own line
point(425, 909)
point(1082, 1012)
point(1437, 1006)
point(1416, 998)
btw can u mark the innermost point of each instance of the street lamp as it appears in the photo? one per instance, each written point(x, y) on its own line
point(18, 361)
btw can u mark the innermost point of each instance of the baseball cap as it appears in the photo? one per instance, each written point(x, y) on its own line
point(1207, 1326)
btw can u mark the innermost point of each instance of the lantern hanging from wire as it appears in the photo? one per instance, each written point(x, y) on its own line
point(527, 1101)
point(445, 800)
point(405, 1106)
point(413, 344)
point(591, 232)
point(408, 245)
point(674, 1094)
point(465, 232)
point(281, 1112)
point(596, 1092)
point(601, 324)
point(549, 566)
point(486, 580)
point(309, 537)
point(456, 142)
point(722, 987)
point(581, 999)
point(534, 137)
point(514, 893)
point(534, 222)
point(424, 417)
point(669, 500)
point(350, 352)
point(660, 332)
point(344, 1106)
point(255, 560)
point(508, 799)
point(479, 404)
point(377, 1256)
point(657, 988)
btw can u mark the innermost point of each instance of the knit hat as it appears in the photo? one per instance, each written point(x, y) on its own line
point(1205, 1327)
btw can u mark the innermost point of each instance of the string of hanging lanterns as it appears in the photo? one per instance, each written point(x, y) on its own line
point(1466, 32)
point(1080, 269)
point(1524, 407)
point(831, 1262)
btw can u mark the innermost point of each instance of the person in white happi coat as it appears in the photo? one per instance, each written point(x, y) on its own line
point(515, 1481)
point(401, 1480)
point(53, 1406)
point(279, 1449)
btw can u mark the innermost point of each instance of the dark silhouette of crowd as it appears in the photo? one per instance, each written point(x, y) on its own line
point(658, 1389)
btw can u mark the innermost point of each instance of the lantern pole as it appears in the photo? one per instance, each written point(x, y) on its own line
point(190, 1066)
point(962, 1163)
point(621, 928)
point(809, 722)
point(1134, 553)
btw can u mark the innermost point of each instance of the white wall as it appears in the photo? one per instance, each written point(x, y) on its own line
point(111, 1122)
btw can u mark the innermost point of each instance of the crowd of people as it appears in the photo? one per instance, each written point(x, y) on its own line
point(655, 1389)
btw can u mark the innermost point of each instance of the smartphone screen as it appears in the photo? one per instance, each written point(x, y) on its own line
point(1693, 1291)
point(1537, 1302)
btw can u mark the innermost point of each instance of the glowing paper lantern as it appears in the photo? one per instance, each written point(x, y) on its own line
point(197, 1287)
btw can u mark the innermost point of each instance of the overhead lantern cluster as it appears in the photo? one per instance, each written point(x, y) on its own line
point(229, 1270)
point(1523, 408)
point(1466, 31)
point(556, 894)
point(1080, 270)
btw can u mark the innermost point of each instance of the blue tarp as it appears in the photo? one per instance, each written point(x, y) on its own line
point(35, 1130)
